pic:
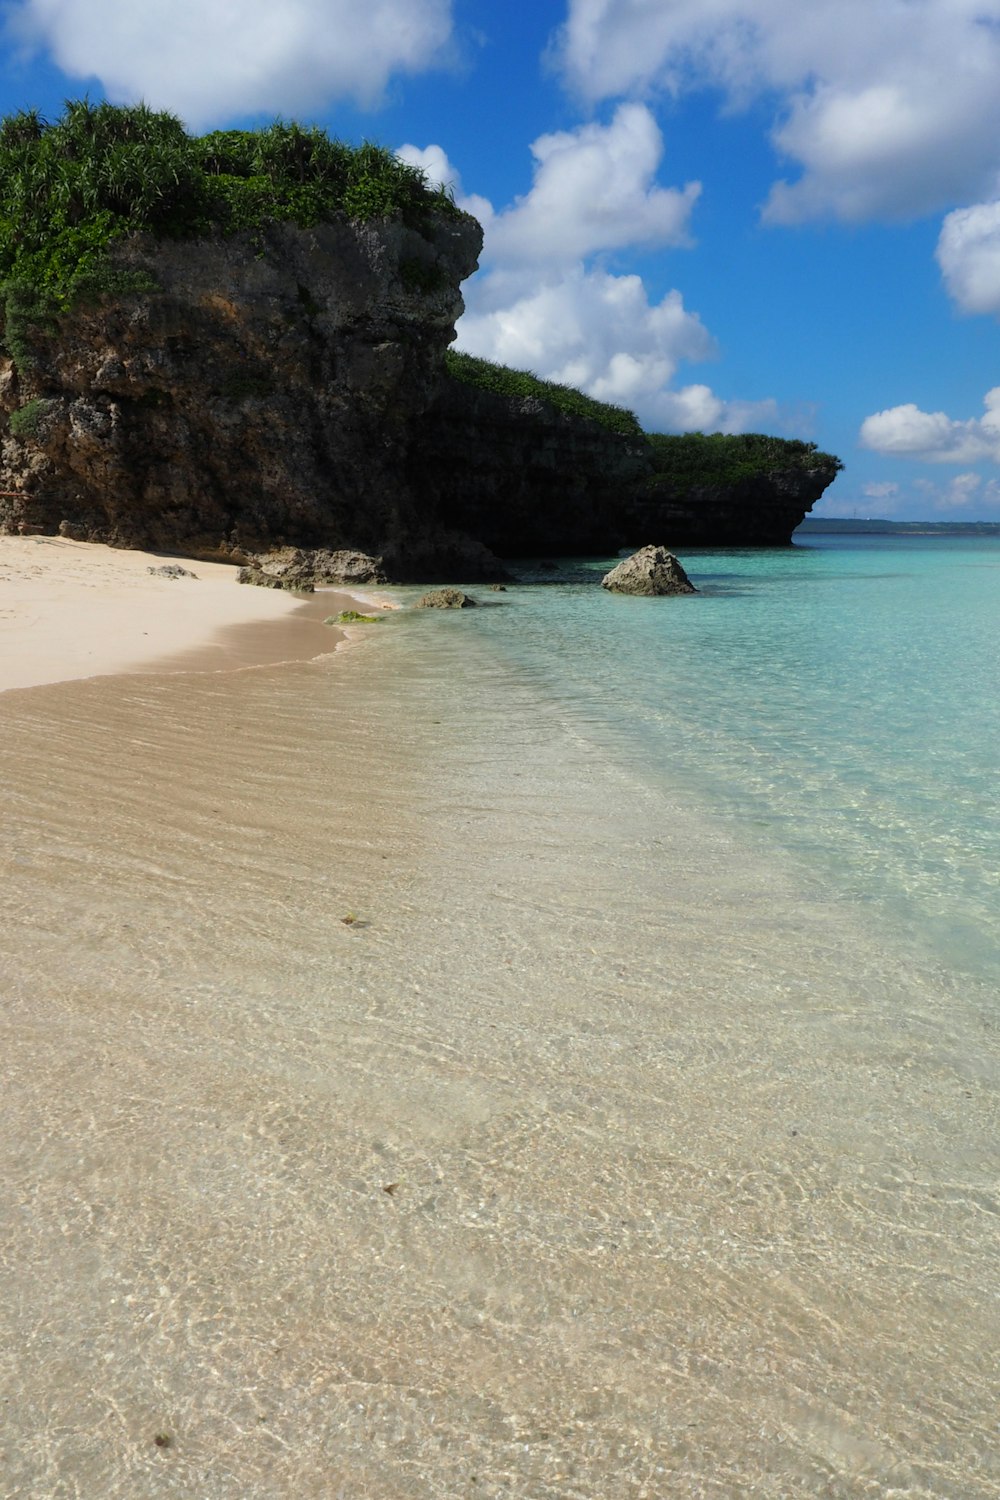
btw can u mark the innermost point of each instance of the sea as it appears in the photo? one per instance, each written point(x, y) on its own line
point(838, 701)
point(543, 1050)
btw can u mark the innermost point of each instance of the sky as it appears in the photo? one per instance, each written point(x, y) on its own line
point(727, 215)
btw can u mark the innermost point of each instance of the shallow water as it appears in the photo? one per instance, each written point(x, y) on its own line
point(843, 697)
point(691, 1150)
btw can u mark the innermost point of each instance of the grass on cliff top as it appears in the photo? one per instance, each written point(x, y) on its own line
point(688, 460)
point(518, 383)
point(70, 188)
point(693, 459)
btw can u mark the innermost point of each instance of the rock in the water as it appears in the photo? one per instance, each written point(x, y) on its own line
point(445, 599)
point(171, 570)
point(651, 570)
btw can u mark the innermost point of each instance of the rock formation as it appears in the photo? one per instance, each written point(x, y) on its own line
point(445, 599)
point(651, 570)
point(527, 479)
point(285, 390)
point(264, 394)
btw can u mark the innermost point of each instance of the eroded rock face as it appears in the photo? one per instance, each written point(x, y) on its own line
point(651, 570)
point(289, 393)
point(528, 480)
point(299, 568)
point(259, 397)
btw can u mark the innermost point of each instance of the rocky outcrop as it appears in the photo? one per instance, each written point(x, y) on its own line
point(526, 479)
point(285, 393)
point(297, 568)
point(266, 393)
point(651, 570)
point(522, 476)
point(758, 511)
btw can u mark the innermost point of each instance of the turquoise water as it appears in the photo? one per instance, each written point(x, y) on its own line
point(840, 699)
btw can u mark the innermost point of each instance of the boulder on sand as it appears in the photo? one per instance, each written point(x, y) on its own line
point(651, 570)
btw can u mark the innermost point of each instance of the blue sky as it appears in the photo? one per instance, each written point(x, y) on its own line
point(772, 215)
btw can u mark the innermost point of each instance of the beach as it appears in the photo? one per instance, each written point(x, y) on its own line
point(405, 1098)
point(71, 610)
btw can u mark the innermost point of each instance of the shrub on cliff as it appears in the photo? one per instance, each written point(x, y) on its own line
point(684, 462)
point(72, 188)
point(524, 386)
point(693, 460)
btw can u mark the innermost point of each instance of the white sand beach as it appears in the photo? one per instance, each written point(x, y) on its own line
point(71, 610)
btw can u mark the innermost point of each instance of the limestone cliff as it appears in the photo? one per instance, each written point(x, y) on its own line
point(266, 392)
point(286, 387)
point(526, 478)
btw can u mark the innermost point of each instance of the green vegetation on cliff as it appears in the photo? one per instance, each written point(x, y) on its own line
point(72, 188)
point(688, 461)
point(523, 386)
point(693, 460)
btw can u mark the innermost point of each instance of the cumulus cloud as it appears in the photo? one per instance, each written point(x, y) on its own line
point(888, 109)
point(586, 328)
point(208, 60)
point(594, 189)
point(968, 252)
point(540, 303)
point(907, 432)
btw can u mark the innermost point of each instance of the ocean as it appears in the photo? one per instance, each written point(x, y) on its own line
point(546, 1050)
point(839, 701)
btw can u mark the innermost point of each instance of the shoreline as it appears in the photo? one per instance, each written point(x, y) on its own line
point(73, 610)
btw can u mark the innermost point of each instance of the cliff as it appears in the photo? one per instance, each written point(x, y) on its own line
point(526, 478)
point(266, 392)
point(288, 389)
point(234, 344)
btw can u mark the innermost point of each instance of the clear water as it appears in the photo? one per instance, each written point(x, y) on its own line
point(840, 699)
point(547, 1050)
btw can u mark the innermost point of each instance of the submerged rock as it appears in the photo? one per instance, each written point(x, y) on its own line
point(445, 599)
point(651, 570)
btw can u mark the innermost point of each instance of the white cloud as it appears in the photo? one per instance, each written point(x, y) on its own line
point(208, 60)
point(968, 252)
point(889, 109)
point(541, 304)
point(586, 328)
point(933, 437)
point(594, 190)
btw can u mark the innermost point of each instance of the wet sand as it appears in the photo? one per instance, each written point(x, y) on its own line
point(399, 1102)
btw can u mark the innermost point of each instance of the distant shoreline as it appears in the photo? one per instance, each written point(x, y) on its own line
point(841, 526)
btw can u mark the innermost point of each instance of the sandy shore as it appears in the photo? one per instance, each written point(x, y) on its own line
point(75, 609)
